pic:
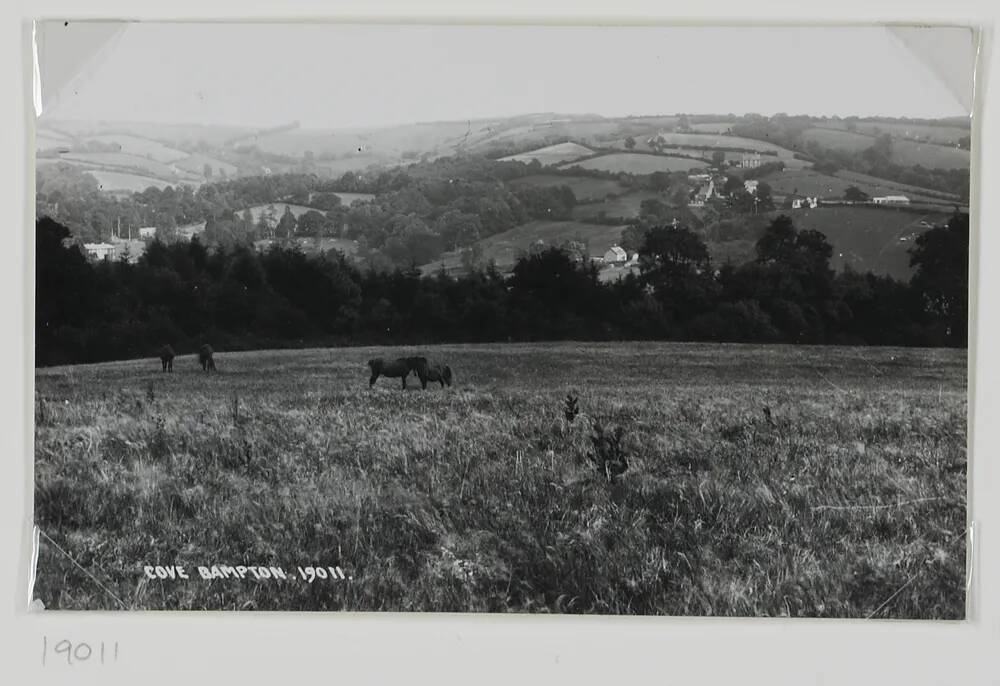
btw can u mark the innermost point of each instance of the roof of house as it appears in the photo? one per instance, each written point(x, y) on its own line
point(618, 252)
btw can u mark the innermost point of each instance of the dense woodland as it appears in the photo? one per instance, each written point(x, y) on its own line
point(237, 298)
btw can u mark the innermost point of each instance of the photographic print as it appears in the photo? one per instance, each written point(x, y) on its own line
point(623, 320)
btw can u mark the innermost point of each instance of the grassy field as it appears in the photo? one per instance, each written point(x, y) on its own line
point(942, 135)
point(815, 184)
point(505, 248)
point(866, 238)
point(118, 161)
point(120, 181)
point(585, 188)
point(848, 502)
point(552, 154)
point(624, 206)
point(638, 163)
point(869, 239)
point(904, 152)
point(135, 145)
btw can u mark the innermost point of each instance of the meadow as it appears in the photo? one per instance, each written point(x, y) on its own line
point(637, 163)
point(761, 481)
point(585, 188)
point(904, 152)
point(552, 154)
point(814, 184)
point(506, 247)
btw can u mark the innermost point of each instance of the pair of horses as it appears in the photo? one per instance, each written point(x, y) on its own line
point(401, 367)
point(205, 358)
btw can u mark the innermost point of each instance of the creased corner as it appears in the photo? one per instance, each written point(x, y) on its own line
point(949, 53)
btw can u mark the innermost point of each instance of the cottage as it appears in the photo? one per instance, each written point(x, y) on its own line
point(891, 200)
point(99, 251)
point(147, 231)
point(751, 186)
point(750, 161)
point(615, 255)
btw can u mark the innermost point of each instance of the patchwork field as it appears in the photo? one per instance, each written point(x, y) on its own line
point(134, 145)
point(848, 501)
point(814, 184)
point(117, 161)
point(904, 152)
point(940, 134)
point(637, 163)
point(552, 154)
point(119, 181)
point(195, 164)
point(720, 141)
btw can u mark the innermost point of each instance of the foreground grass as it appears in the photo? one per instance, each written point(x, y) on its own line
point(849, 501)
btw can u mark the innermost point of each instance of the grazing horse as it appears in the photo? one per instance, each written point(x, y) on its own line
point(167, 358)
point(438, 372)
point(397, 369)
point(205, 358)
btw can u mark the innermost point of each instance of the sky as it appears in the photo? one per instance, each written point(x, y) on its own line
point(344, 76)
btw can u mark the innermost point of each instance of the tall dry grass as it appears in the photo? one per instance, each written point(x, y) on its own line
point(820, 482)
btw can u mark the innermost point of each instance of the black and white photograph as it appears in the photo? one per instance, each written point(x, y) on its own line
point(466, 318)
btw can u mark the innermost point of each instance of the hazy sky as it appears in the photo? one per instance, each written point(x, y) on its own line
point(332, 76)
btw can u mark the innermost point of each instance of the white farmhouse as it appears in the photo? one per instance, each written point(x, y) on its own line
point(615, 255)
point(147, 231)
point(99, 251)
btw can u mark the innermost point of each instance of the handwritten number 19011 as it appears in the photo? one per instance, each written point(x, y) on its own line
point(75, 653)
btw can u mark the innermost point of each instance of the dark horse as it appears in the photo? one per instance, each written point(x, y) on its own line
point(167, 358)
point(397, 369)
point(205, 358)
point(438, 372)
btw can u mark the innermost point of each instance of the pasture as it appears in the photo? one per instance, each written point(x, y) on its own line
point(135, 145)
point(585, 188)
point(506, 247)
point(118, 161)
point(847, 500)
point(552, 154)
point(815, 184)
point(637, 163)
point(120, 181)
point(904, 152)
point(869, 238)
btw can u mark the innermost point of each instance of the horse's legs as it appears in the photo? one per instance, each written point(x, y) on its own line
point(404, 382)
point(371, 381)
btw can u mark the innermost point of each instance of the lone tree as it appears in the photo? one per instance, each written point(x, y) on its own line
point(855, 194)
point(941, 257)
point(630, 143)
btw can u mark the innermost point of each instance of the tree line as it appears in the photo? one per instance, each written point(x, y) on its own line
point(237, 298)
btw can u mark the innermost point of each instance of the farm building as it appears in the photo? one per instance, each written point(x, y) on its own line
point(799, 203)
point(750, 161)
point(704, 194)
point(891, 200)
point(99, 251)
point(615, 255)
point(147, 232)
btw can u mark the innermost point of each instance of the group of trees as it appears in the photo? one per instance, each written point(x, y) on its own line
point(238, 298)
